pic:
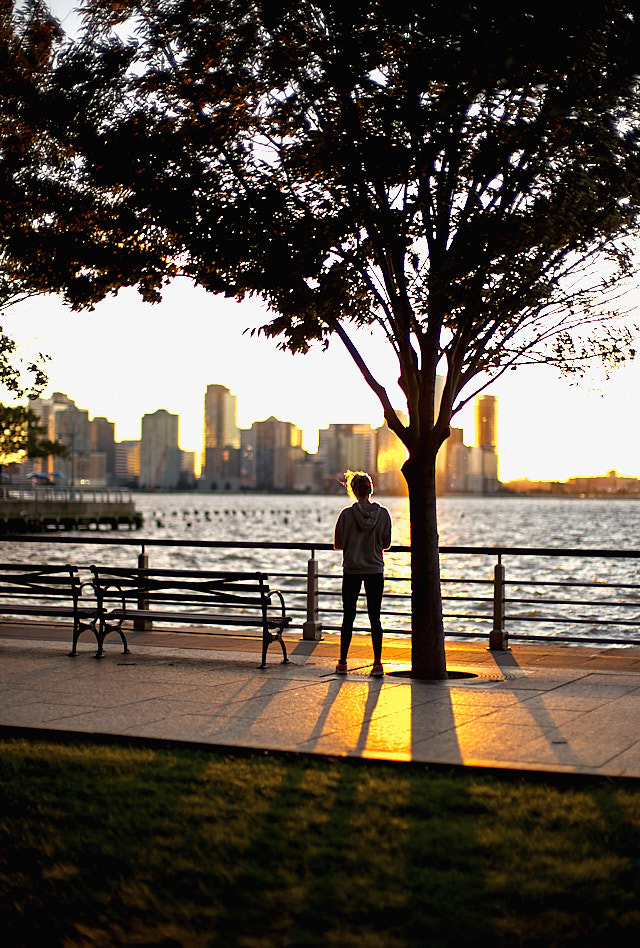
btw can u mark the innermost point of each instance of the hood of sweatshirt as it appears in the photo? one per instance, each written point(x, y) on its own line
point(366, 515)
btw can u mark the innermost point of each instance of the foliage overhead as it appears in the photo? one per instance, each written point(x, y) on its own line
point(463, 175)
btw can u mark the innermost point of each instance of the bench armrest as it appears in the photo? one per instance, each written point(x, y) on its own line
point(103, 607)
point(276, 592)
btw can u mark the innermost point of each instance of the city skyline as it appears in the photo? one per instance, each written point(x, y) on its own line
point(267, 456)
point(460, 468)
point(128, 358)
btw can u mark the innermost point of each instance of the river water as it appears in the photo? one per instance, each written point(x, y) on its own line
point(555, 523)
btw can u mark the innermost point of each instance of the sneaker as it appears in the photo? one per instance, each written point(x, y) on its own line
point(341, 668)
point(377, 671)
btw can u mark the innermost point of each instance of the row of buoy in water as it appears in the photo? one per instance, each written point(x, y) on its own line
point(244, 513)
point(256, 515)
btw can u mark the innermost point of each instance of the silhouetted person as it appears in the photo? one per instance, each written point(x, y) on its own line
point(362, 532)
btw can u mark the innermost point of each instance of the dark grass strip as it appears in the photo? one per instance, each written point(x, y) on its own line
point(119, 845)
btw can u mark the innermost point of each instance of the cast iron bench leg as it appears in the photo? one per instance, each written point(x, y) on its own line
point(102, 636)
point(267, 639)
point(78, 628)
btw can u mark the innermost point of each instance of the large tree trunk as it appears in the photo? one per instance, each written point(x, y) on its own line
point(427, 631)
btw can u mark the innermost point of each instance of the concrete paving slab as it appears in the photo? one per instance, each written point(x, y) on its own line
point(627, 764)
point(548, 708)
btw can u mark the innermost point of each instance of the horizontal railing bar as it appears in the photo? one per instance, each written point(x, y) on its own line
point(573, 602)
point(363, 629)
point(462, 581)
point(539, 551)
point(581, 585)
point(451, 615)
point(393, 577)
point(576, 620)
point(110, 540)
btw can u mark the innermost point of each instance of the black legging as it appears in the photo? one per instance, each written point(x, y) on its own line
point(373, 587)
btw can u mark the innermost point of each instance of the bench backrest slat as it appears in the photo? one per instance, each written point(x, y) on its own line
point(24, 582)
point(177, 588)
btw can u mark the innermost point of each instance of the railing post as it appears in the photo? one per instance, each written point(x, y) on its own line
point(312, 628)
point(498, 637)
point(143, 602)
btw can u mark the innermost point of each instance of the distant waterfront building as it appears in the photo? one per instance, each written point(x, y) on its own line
point(346, 447)
point(482, 476)
point(247, 458)
point(483, 466)
point(63, 421)
point(187, 470)
point(274, 453)
point(462, 469)
point(308, 472)
point(610, 484)
point(452, 464)
point(91, 470)
point(221, 434)
point(160, 455)
point(102, 433)
point(390, 456)
point(486, 418)
point(127, 463)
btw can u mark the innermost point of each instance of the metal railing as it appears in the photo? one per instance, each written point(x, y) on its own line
point(485, 601)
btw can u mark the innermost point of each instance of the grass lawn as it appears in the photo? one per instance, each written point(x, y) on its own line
point(117, 845)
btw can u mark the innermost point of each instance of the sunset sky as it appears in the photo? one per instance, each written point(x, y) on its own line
point(128, 358)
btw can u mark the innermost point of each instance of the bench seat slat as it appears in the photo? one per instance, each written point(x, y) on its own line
point(170, 598)
point(207, 618)
point(10, 609)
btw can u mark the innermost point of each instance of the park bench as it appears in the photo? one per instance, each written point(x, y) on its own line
point(47, 592)
point(189, 598)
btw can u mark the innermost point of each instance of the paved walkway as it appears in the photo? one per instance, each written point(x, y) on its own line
point(544, 708)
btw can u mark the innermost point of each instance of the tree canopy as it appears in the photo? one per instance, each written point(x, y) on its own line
point(28, 38)
point(441, 169)
point(467, 177)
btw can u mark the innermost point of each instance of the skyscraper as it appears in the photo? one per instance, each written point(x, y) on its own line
point(483, 458)
point(275, 444)
point(160, 455)
point(347, 447)
point(486, 411)
point(221, 431)
point(63, 421)
point(102, 433)
point(128, 462)
point(390, 456)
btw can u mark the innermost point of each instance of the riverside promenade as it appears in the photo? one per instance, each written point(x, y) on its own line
point(546, 708)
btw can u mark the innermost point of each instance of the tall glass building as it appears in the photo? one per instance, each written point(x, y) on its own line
point(221, 431)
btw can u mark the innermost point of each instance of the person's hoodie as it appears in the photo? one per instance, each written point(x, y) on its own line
point(362, 532)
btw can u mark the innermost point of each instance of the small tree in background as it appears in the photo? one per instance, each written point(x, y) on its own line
point(464, 176)
point(22, 436)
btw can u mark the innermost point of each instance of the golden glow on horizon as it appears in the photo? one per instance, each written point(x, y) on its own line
point(128, 359)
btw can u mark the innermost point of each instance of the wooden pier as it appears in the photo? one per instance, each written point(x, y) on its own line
point(43, 509)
